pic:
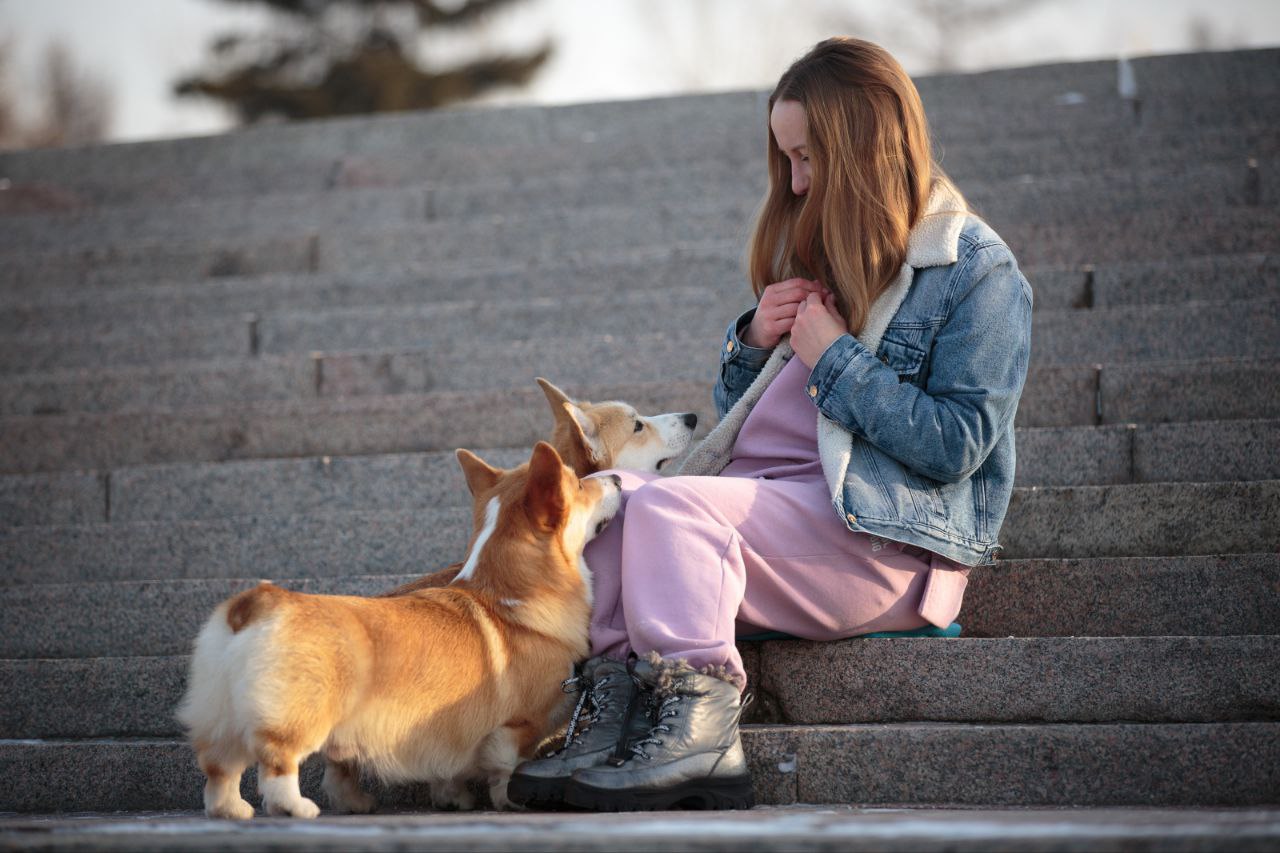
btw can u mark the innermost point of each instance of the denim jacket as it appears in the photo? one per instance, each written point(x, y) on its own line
point(915, 414)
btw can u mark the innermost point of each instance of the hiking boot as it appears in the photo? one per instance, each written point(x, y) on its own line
point(690, 757)
point(610, 713)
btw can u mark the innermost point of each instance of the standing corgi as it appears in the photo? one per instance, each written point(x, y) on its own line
point(439, 685)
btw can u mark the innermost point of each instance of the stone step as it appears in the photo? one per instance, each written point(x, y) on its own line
point(713, 266)
point(1134, 231)
point(1147, 520)
point(770, 828)
point(1219, 328)
point(1023, 189)
point(1133, 764)
point(1210, 451)
point(376, 403)
point(1063, 101)
point(1013, 680)
point(1118, 597)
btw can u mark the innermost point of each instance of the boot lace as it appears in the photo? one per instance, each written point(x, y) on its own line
point(592, 693)
point(670, 707)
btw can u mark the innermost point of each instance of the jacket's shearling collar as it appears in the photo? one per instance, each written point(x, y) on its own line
point(934, 241)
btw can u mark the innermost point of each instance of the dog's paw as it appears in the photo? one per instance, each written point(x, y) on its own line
point(452, 796)
point(354, 802)
point(301, 807)
point(236, 809)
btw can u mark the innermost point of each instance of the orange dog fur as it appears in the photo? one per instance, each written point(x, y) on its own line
point(441, 684)
point(592, 437)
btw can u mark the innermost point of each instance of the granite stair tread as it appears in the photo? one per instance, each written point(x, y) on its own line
point(1208, 596)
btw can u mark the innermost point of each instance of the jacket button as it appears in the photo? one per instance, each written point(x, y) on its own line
point(813, 390)
point(885, 359)
point(728, 347)
point(852, 518)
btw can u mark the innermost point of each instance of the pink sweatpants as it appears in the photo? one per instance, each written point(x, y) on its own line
point(689, 562)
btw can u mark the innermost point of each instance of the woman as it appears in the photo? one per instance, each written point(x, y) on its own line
point(863, 461)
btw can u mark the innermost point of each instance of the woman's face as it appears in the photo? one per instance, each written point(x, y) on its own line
point(790, 128)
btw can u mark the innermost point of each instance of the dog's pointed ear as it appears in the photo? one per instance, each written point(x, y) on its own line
point(582, 430)
point(544, 498)
point(480, 475)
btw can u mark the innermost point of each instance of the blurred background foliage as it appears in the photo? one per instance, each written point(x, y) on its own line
point(345, 57)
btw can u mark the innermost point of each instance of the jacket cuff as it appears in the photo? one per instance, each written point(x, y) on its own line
point(831, 365)
point(734, 351)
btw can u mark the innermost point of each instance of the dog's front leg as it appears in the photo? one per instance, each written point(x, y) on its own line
point(452, 794)
point(342, 786)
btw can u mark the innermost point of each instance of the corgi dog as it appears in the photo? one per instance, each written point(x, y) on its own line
point(438, 685)
point(593, 437)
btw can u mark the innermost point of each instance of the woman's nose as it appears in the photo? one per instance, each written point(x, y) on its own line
point(799, 182)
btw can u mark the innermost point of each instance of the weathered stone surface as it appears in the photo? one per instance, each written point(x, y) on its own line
point(765, 828)
point(1247, 450)
point(1119, 764)
point(900, 764)
point(324, 545)
point(1143, 520)
point(67, 498)
point(1206, 390)
point(1124, 596)
point(1033, 680)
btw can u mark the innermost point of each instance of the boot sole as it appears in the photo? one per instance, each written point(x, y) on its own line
point(537, 792)
point(706, 794)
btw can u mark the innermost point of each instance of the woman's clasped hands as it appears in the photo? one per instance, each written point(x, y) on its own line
point(802, 308)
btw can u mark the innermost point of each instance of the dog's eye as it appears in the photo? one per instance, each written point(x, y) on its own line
point(639, 426)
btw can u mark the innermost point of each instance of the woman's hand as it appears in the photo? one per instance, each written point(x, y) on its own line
point(777, 311)
point(817, 325)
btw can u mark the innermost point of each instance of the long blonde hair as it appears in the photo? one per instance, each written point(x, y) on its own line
point(872, 171)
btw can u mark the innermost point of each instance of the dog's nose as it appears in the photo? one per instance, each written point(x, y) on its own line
point(690, 419)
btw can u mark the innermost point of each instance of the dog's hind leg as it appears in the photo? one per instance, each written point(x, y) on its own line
point(342, 787)
point(222, 783)
point(499, 755)
point(278, 761)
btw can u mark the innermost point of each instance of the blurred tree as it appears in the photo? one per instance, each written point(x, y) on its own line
point(69, 106)
point(344, 57)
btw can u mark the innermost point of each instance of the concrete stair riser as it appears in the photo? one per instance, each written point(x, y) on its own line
point(715, 267)
point(1079, 456)
point(1224, 451)
point(1144, 596)
point(1127, 596)
point(1126, 333)
point(1153, 519)
point(324, 545)
point(68, 498)
point(1037, 680)
point(1037, 189)
point(381, 410)
point(1139, 231)
point(1165, 519)
point(896, 764)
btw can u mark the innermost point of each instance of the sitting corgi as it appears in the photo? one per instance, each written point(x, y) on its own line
point(433, 685)
point(593, 437)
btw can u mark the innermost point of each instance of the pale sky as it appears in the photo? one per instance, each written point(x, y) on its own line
point(616, 49)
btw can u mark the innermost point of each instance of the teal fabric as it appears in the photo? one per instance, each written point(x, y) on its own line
point(952, 630)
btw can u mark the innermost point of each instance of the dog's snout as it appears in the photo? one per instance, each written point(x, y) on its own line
point(690, 419)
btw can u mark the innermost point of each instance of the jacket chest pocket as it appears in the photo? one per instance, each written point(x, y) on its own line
point(907, 359)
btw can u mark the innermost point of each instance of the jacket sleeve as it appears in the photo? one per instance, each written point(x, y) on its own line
point(739, 364)
point(946, 429)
